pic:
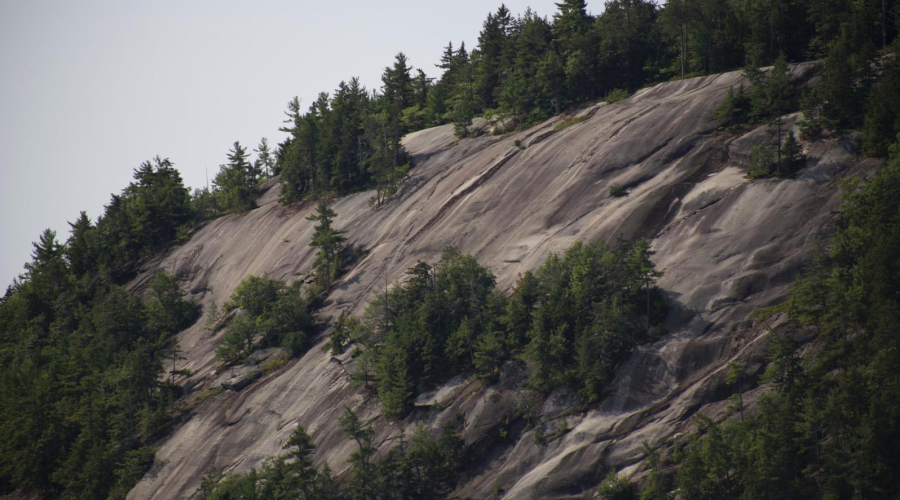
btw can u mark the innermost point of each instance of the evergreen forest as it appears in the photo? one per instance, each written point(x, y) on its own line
point(84, 395)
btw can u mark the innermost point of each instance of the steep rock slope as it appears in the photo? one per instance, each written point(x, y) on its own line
point(726, 246)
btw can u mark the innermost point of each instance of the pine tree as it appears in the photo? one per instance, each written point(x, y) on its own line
point(339, 335)
point(81, 249)
point(734, 108)
point(462, 117)
point(265, 162)
point(330, 242)
point(676, 22)
point(176, 355)
point(398, 84)
point(643, 270)
point(447, 57)
point(488, 354)
point(628, 41)
point(492, 47)
point(213, 317)
point(461, 346)
point(762, 161)
point(736, 376)
point(302, 471)
point(169, 312)
point(882, 118)
point(771, 98)
point(395, 386)
point(362, 472)
point(570, 23)
point(515, 98)
point(236, 181)
point(365, 368)
point(238, 340)
point(421, 86)
point(551, 78)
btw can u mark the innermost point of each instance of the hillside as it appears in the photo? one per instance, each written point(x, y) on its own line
point(726, 246)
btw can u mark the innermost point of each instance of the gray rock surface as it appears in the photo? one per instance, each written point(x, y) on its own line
point(237, 377)
point(726, 245)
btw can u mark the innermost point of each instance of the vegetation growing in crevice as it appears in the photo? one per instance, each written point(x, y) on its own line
point(273, 313)
point(82, 386)
point(422, 468)
point(574, 319)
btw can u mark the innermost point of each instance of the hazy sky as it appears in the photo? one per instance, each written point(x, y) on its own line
point(90, 89)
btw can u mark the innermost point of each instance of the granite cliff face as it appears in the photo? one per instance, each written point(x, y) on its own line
point(727, 246)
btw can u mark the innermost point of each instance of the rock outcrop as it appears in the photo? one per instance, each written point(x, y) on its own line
point(727, 246)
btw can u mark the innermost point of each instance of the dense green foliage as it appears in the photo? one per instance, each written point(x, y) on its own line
point(527, 68)
point(272, 313)
point(350, 141)
point(80, 387)
point(574, 319)
point(235, 184)
point(421, 468)
point(771, 96)
point(591, 306)
point(829, 426)
point(82, 392)
point(147, 215)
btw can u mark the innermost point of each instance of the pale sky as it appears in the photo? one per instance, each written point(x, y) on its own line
point(90, 89)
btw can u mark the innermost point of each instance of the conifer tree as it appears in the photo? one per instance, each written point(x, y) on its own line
point(395, 386)
point(771, 98)
point(330, 242)
point(551, 80)
point(792, 158)
point(488, 354)
point(80, 248)
point(362, 472)
point(734, 108)
point(643, 270)
point(236, 181)
point(265, 162)
point(462, 117)
point(515, 97)
point(303, 473)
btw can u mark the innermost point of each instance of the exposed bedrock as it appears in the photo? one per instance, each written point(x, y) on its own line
point(727, 246)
